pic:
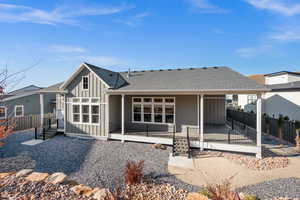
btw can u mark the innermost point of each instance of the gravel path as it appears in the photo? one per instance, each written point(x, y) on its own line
point(88, 161)
point(288, 187)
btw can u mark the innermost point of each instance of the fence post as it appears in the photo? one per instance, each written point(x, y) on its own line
point(49, 123)
point(35, 133)
point(44, 137)
point(229, 131)
point(147, 129)
point(232, 123)
point(57, 126)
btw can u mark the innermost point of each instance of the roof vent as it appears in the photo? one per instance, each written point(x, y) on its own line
point(161, 70)
point(151, 70)
point(204, 68)
point(169, 69)
point(143, 71)
point(192, 68)
point(216, 67)
point(179, 69)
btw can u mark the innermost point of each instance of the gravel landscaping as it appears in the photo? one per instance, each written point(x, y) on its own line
point(289, 187)
point(92, 162)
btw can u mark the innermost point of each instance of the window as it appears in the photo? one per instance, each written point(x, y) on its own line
point(2, 112)
point(19, 111)
point(86, 110)
point(153, 110)
point(76, 113)
point(85, 113)
point(95, 114)
point(85, 82)
point(251, 99)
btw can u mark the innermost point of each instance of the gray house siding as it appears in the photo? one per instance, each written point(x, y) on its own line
point(31, 104)
point(96, 89)
point(186, 112)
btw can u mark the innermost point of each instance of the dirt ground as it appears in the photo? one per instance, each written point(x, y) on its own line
point(211, 169)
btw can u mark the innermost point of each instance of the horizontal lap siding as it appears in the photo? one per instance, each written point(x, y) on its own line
point(96, 89)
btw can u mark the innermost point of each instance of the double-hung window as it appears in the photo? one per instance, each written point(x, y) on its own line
point(160, 110)
point(85, 82)
point(19, 111)
point(86, 110)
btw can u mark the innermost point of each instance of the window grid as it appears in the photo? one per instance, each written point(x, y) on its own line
point(165, 101)
point(86, 114)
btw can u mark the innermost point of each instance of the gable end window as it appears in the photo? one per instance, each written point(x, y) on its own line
point(85, 82)
point(19, 111)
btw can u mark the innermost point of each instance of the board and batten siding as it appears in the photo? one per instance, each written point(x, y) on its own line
point(97, 90)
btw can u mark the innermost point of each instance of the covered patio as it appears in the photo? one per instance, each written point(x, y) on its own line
point(199, 117)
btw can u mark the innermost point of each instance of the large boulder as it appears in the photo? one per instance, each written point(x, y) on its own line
point(101, 194)
point(56, 178)
point(37, 177)
point(23, 172)
point(5, 174)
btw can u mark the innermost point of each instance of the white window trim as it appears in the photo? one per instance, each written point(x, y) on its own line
point(5, 110)
point(22, 106)
point(152, 103)
point(90, 104)
point(83, 82)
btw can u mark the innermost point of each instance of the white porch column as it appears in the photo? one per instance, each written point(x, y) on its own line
point(258, 124)
point(65, 114)
point(107, 114)
point(122, 116)
point(201, 122)
point(42, 108)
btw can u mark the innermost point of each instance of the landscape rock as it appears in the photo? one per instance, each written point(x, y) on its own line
point(100, 194)
point(160, 146)
point(196, 196)
point(5, 174)
point(23, 172)
point(37, 177)
point(82, 190)
point(56, 178)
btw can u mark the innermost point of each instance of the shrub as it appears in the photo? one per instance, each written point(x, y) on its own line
point(222, 191)
point(286, 118)
point(206, 193)
point(134, 172)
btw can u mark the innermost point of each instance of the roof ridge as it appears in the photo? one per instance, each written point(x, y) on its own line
point(175, 69)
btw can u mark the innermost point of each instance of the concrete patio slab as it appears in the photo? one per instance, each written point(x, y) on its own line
point(32, 142)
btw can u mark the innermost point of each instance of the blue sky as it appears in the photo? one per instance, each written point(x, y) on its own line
point(250, 36)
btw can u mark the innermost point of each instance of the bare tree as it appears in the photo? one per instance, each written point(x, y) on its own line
point(8, 82)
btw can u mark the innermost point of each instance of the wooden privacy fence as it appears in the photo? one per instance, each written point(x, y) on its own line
point(269, 124)
point(30, 121)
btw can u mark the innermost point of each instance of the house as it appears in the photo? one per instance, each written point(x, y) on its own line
point(283, 97)
point(23, 102)
point(154, 106)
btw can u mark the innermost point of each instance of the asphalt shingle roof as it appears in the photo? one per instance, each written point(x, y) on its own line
point(112, 79)
point(52, 88)
point(198, 79)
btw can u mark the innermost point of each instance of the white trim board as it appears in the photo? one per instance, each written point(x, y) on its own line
point(87, 136)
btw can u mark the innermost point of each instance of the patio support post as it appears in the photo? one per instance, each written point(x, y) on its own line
point(107, 114)
point(122, 116)
point(42, 109)
point(201, 122)
point(65, 114)
point(258, 125)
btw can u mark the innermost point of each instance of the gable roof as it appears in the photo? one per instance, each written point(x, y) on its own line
point(109, 78)
point(52, 88)
point(191, 79)
point(24, 89)
point(282, 72)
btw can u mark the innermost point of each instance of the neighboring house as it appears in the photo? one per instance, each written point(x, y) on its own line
point(24, 101)
point(283, 97)
point(147, 106)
